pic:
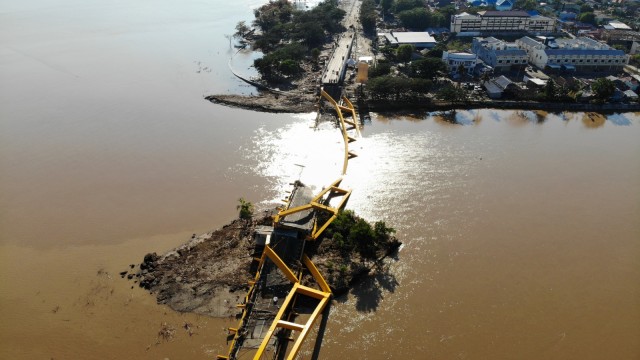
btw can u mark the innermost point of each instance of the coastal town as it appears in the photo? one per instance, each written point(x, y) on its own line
point(394, 54)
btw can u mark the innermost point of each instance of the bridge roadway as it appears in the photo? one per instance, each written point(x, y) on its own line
point(336, 66)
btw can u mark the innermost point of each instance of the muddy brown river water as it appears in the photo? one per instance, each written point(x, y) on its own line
point(521, 230)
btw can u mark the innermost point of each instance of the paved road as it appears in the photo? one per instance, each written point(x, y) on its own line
point(335, 68)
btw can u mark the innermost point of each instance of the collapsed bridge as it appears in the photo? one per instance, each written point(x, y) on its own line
point(275, 329)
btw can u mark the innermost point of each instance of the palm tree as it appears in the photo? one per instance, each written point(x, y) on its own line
point(245, 208)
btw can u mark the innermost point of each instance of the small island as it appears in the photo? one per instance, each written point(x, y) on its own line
point(208, 274)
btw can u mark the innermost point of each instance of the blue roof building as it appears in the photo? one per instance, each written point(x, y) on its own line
point(580, 54)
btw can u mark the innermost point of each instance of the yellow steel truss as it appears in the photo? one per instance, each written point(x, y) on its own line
point(343, 126)
point(316, 203)
point(324, 294)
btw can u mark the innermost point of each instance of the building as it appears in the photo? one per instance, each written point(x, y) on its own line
point(498, 86)
point(504, 5)
point(421, 40)
point(567, 16)
point(498, 54)
point(499, 22)
point(455, 59)
point(580, 54)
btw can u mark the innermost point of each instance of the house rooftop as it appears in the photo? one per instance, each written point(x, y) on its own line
point(398, 37)
point(495, 13)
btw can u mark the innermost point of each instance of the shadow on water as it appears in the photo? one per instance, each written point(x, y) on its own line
point(370, 292)
point(321, 330)
point(619, 119)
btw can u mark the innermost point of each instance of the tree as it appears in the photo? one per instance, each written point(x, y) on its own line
point(386, 5)
point(315, 54)
point(241, 29)
point(452, 93)
point(382, 68)
point(603, 89)
point(447, 12)
point(589, 18)
point(418, 18)
point(462, 71)
point(289, 67)
point(245, 208)
point(402, 5)
point(368, 16)
point(585, 8)
point(428, 68)
point(404, 52)
point(526, 4)
point(550, 91)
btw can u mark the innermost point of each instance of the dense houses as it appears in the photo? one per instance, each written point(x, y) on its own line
point(520, 52)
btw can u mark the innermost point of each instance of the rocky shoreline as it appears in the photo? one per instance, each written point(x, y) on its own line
point(302, 103)
point(268, 102)
point(208, 275)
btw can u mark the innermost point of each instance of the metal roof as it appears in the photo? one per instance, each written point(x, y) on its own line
point(502, 82)
point(530, 42)
point(511, 52)
point(413, 37)
point(493, 13)
point(584, 52)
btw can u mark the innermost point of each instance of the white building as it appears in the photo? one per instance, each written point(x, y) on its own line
point(494, 22)
point(421, 40)
point(498, 54)
point(580, 54)
point(455, 59)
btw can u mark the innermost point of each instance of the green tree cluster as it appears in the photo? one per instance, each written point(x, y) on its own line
point(368, 16)
point(403, 5)
point(588, 17)
point(603, 89)
point(398, 88)
point(404, 52)
point(428, 68)
point(420, 18)
point(352, 233)
point(452, 93)
point(288, 34)
point(281, 62)
point(382, 68)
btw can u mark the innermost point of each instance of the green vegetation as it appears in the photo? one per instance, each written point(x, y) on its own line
point(352, 233)
point(588, 17)
point(383, 67)
point(452, 93)
point(386, 5)
point(245, 208)
point(550, 91)
point(603, 89)
point(413, 14)
point(368, 17)
point(398, 88)
point(404, 52)
point(403, 5)
point(287, 35)
point(428, 68)
point(281, 62)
